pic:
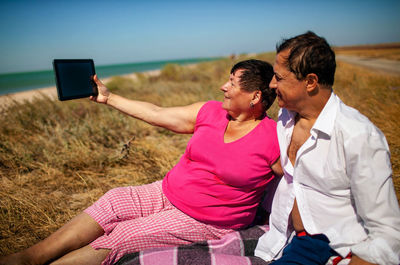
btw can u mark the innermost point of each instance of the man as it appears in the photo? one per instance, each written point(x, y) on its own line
point(336, 199)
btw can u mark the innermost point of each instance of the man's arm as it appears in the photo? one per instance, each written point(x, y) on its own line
point(178, 119)
point(368, 166)
point(355, 260)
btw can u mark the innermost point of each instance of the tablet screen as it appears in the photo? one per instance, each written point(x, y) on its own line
point(74, 78)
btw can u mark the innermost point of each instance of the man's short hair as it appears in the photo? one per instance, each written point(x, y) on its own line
point(310, 53)
point(256, 75)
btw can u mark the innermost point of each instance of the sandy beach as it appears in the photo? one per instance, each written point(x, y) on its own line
point(6, 100)
point(51, 92)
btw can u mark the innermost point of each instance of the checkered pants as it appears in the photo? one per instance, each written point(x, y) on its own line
point(141, 217)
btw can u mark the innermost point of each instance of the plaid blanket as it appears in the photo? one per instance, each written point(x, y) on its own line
point(235, 248)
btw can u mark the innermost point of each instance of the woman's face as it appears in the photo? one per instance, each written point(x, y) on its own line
point(236, 100)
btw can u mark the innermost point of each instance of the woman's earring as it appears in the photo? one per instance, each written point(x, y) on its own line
point(251, 105)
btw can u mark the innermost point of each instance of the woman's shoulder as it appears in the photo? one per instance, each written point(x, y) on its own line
point(267, 137)
point(212, 106)
point(211, 110)
point(269, 123)
point(267, 130)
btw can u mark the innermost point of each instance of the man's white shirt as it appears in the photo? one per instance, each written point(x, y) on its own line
point(342, 184)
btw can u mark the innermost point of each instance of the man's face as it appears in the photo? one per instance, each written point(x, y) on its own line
point(290, 91)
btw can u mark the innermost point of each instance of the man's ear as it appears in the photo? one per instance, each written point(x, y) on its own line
point(311, 83)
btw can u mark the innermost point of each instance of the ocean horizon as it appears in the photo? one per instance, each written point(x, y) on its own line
point(24, 81)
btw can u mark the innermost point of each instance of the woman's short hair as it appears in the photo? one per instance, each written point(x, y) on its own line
point(256, 75)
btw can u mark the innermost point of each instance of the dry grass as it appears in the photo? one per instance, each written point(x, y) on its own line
point(377, 96)
point(390, 51)
point(56, 158)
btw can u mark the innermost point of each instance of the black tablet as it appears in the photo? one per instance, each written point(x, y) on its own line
point(74, 78)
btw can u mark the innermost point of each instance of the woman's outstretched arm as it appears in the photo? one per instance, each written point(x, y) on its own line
point(177, 119)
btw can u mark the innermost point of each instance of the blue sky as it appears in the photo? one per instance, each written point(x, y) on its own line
point(33, 33)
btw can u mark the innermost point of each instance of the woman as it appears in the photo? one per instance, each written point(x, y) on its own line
point(213, 190)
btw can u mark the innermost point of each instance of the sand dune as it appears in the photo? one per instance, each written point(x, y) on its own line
point(6, 100)
point(29, 95)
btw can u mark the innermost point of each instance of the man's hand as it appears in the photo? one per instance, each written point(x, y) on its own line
point(103, 92)
point(359, 261)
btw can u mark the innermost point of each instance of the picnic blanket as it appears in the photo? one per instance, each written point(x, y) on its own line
point(236, 248)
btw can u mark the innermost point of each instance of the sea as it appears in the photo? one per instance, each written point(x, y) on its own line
point(24, 81)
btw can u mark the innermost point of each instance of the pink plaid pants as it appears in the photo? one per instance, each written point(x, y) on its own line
point(141, 217)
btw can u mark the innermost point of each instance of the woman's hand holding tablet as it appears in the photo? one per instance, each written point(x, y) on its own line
point(74, 78)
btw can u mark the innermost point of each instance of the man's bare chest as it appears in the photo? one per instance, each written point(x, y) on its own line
point(299, 137)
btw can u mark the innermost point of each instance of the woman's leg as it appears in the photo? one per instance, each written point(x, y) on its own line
point(116, 205)
point(85, 255)
point(119, 205)
point(75, 234)
point(170, 227)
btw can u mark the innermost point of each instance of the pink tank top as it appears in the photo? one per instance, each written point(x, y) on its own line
point(222, 183)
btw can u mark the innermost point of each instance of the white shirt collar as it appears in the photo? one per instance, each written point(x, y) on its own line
point(326, 119)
